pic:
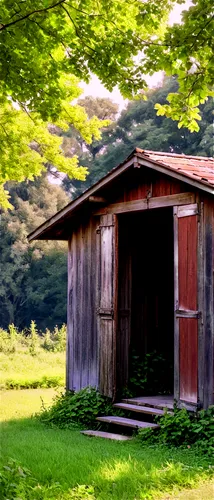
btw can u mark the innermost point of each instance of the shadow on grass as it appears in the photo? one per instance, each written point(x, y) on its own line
point(117, 470)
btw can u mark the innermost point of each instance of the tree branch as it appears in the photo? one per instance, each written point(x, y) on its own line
point(5, 26)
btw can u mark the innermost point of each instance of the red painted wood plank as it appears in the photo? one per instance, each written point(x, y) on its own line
point(188, 359)
point(187, 262)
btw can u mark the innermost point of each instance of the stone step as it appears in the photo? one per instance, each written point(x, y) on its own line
point(106, 435)
point(139, 408)
point(127, 422)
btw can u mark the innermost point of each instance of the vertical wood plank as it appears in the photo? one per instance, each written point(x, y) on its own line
point(84, 306)
point(82, 356)
point(201, 303)
point(108, 286)
point(188, 359)
point(208, 302)
point(115, 303)
point(187, 266)
point(77, 314)
point(69, 340)
point(176, 320)
point(186, 328)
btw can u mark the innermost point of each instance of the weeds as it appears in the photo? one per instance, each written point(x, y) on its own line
point(16, 482)
point(30, 340)
point(31, 359)
point(184, 429)
point(80, 408)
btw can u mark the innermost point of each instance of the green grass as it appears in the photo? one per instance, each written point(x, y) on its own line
point(117, 470)
point(23, 370)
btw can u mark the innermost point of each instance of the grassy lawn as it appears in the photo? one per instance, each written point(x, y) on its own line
point(22, 369)
point(117, 470)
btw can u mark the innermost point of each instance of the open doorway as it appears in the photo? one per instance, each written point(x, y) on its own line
point(145, 332)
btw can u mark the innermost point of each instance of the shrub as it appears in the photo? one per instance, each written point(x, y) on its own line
point(79, 408)
point(33, 339)
point(44, 382)
point(5, 344)
point(150, 374)
point(183, 428)
point(59, 338)
point(16, 482)
point(48, 343)
point(56, 341)
point(8, 340)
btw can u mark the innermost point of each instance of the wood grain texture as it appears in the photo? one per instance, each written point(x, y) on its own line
point(186, 312)
point(106, 435)
point(208, 312)
point(82, 343)
point(139, 408)
point(127, 422)
point(159, 402)
point(140, 183)
point(107, 350)
point(149, 204)
point(187, 262)
point(188, 359)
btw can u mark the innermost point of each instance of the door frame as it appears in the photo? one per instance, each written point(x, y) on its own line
point(174, 201)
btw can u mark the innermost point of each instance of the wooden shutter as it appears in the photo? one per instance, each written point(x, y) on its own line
point(186, 303)
point(106, 311)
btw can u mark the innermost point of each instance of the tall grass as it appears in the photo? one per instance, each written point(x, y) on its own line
point(32, 359)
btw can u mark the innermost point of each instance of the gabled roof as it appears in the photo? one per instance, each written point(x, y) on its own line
point(197, 171)
point(199, 168)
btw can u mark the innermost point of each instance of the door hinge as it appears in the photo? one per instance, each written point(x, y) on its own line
point(104, 311)
point(98, 230)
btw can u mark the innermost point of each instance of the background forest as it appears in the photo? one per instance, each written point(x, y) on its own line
point(33, 277)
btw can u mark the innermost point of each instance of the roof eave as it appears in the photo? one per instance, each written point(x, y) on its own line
point(155, 165)
point(81, 199)
point(136, 157)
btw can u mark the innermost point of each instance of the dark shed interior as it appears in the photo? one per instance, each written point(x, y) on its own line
point(146, 295)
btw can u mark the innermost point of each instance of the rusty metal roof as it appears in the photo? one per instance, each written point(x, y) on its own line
point(197, 171)
point(200, 168)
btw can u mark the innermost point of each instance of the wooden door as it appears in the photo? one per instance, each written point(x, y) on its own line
point(186, 220)
point(107, 305)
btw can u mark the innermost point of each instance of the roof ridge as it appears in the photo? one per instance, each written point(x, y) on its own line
point(162, 153)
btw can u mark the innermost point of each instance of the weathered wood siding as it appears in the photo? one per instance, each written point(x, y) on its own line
point(139, 183)
point(186, 303)
point(208, 302)
point(82, 344)
point(107, 310)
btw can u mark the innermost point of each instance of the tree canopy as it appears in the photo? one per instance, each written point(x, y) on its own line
point(33, 277)
point(138, 125)
point(45, 41)
point(47, 46)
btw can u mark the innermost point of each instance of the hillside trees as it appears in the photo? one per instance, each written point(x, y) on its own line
point(104, 109)
point(33, 277)
point(139, 126)
point(47, 46)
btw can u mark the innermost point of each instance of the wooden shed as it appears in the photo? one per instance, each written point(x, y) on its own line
point(140, 274)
